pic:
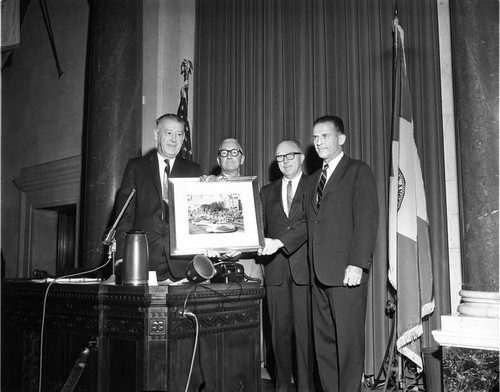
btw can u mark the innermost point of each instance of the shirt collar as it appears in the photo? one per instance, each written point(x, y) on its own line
point(334, 162)
point(161, 161)
point(294, 180)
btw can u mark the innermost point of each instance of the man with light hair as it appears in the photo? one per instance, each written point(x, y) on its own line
point(230, 158)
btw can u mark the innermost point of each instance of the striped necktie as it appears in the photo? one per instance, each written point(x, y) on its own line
point(165, 180)
point(321, 185)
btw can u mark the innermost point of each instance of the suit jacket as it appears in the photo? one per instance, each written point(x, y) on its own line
point(343, 230)
point(278, 225)
point(148, 211)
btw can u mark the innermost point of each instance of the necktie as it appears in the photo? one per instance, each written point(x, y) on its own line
point(321, 185)
point(165, 180)
point(289, 195)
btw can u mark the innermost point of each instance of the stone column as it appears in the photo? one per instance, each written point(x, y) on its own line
point(113, 110)
point(472, 334)
point(474, 29)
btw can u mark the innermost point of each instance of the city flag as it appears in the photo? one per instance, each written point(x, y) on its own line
point(410, 263)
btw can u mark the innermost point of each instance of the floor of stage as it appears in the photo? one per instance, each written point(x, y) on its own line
point(267, 384)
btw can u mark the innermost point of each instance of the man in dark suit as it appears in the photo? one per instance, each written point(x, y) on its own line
point(148, 209)
point(287, 277)
point(341, 210)
point(230, 158)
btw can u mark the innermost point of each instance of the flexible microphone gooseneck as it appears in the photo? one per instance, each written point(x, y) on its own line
point(110, 236)
point(109, 240)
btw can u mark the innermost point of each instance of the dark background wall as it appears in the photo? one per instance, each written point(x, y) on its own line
point(42, 114)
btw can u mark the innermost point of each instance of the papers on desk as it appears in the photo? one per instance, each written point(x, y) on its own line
point(151, 282)
point(69, 280)
point(169, 282)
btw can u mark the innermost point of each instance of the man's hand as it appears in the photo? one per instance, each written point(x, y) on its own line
point(212, 253)
point(231, 255)
point(352, 276)
point(271, 246)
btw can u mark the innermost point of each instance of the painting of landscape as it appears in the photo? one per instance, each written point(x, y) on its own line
point(215, 213)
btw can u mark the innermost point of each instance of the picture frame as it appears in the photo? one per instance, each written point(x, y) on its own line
point(218, 213)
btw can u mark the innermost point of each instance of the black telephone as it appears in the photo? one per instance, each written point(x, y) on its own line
point(227, 271)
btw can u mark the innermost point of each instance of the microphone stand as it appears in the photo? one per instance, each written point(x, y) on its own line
point(109, 240)
point(111, 256)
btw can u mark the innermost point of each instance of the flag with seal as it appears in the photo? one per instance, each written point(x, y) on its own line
point(410, 262)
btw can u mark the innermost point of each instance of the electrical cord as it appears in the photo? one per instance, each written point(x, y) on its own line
point(389, 353)
point(187, 297)
point(187, 313)
point(226, 297)
point(43, 314)
point(252, 279)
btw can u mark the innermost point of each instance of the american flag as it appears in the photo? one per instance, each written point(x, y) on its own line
point(182, 111)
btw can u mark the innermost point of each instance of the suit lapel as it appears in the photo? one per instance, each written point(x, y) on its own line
point(336, 176)
point(177, 168)
point(297, 197)
point(277, 193)
point(301, 188)
point(314, 180)
point(155, 172)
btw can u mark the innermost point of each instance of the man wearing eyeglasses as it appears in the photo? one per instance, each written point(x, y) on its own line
point(230, 158)
point(287, 275)
point(148, 209)
point(341, 208)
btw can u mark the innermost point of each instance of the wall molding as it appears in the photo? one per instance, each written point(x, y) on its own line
point(51, 184)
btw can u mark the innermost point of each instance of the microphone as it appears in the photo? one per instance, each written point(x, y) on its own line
point(108, 238)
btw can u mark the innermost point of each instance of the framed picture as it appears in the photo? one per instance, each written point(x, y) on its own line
point(222, 215)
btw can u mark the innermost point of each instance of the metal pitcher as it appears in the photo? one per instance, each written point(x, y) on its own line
point(135, 259)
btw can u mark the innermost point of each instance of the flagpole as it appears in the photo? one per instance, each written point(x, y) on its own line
point(410, 261)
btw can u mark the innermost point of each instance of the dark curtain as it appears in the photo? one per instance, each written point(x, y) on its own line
point(265, 69)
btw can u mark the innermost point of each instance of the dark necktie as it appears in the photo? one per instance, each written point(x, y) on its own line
point(165, 180)
point(321, 185)
point(289, 196)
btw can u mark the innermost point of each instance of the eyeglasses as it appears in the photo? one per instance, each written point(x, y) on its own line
point(290, 156)
point(234, 152)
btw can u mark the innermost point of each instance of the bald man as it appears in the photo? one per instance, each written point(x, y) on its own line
point(230, 158)
point(287, 275)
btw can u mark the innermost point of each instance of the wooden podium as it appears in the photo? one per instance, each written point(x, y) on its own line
point(141, 339)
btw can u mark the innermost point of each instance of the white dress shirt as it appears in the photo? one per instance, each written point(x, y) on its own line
point(295, 184)
point(332, 165)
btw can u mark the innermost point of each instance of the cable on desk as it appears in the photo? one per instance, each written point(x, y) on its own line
point(43, 314)
point(252, 279)
point(222, 295)
point(187, 313)
point(193, 290)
